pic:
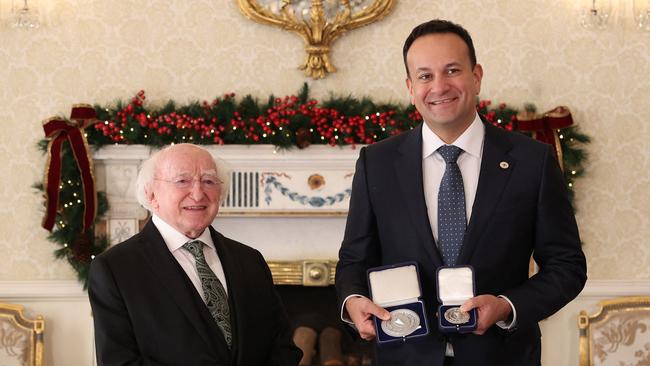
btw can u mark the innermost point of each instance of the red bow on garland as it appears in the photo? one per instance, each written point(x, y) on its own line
point(544, 127)
point(60, 130)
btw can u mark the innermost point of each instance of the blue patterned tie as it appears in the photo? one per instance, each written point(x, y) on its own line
point(451, 207)
point(215, 295)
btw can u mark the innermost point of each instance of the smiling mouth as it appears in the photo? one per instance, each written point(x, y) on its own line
point(442, 101)
point(195, 208)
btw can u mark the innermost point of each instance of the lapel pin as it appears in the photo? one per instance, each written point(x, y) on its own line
point(504, 165)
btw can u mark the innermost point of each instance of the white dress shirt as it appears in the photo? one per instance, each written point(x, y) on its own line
point(433, 167)
point(175, 240)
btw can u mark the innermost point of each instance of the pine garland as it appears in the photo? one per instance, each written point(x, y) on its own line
point(75, 246)
point(292, 121)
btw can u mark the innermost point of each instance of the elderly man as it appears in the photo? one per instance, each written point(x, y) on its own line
point(179, 292)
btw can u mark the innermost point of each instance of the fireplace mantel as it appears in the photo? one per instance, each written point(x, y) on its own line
point(289, 204)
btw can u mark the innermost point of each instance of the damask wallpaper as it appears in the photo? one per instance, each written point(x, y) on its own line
point(531, 51)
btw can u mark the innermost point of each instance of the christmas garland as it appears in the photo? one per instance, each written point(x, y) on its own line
point(292, 121)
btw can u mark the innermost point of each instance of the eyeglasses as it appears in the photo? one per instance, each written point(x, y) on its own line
point(206, 182)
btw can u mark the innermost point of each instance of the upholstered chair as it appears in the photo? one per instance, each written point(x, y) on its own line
point(21, 339)
point(617, 334)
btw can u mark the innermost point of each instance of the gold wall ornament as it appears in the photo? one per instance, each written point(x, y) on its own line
point(318, 22)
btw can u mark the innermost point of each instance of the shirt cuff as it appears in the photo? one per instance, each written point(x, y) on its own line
point(513, 323)
point(344, 313)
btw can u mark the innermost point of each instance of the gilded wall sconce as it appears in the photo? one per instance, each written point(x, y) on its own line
point(318, 22)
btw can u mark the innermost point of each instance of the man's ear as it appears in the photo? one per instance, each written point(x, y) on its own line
point(409, 86)
point(478, 76)
point(151, 197)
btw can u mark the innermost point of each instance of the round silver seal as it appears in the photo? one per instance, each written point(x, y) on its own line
point(456, 316)
point(402, 323)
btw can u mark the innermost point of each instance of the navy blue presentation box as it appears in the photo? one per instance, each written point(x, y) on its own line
point(397, 288)
point(455, 286)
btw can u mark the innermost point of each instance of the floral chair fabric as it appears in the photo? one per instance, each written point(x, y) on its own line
point(618, 334)
point(21, 340)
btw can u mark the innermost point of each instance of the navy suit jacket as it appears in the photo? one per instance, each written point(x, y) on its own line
point(519, 210)
point(147, 312)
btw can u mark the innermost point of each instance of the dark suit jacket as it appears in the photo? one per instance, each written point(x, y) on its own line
point(147, 312)
point(518, 211)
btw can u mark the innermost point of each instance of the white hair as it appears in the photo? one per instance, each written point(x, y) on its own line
point(148, 169)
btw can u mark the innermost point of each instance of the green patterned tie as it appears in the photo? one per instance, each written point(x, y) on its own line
point(215, 295)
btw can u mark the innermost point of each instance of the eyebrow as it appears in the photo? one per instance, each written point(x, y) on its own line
point(204, 173)
point(451, 64)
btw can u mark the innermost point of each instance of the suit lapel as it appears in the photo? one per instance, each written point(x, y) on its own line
point(496, 167)
point(408, 168)
point(174, 280)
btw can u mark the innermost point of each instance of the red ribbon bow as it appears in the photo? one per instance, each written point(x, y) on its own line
point(544, 127)
point(59, 130)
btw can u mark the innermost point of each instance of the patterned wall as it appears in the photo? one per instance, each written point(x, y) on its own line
point(101, 50)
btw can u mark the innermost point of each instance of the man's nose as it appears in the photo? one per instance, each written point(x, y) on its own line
point(439, 85)
point(196, 191)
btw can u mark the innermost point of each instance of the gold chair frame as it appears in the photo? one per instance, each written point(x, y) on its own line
point(36, 327)
point(606, 307)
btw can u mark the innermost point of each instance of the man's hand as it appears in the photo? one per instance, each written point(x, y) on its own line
point(361, 310)
point(490, 309)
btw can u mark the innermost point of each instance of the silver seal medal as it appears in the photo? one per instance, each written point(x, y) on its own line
point(402, 323)
point(456, 316)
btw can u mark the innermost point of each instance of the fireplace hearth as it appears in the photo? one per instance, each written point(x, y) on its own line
point(318, 330)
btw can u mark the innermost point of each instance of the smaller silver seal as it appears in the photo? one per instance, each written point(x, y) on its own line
point(402, 323)
point(456, 316)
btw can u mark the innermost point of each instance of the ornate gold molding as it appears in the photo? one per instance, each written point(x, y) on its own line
point(305, 273)
point(36, 327)
point(607, 308)
point(318, 26)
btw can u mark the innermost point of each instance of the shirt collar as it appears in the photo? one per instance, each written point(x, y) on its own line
point(471, 140)
point(175, 239)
